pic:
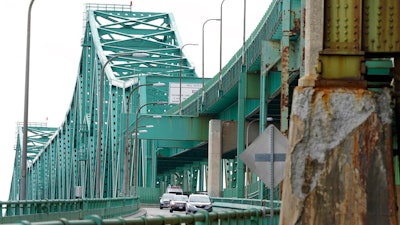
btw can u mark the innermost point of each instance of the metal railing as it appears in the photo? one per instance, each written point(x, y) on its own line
point(246, 203)
point(108, 7)
point(45, 210)
point(250, 216)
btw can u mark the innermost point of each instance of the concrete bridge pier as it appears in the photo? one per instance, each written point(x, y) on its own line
point(214, 186)
point(339, 168)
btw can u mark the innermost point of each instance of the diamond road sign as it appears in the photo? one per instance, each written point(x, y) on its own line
point(266, 156)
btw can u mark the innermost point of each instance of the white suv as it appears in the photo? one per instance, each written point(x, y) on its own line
point(174, 190)
point(165, 199)
point(198, 202)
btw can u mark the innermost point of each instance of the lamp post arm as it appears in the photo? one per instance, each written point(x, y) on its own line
point(100, 127)
point(126, 183)
point(220, 46)
point(135, 158)
point(22, 184)
point(125, 187)
point(202, 56)
point(100, 121)
point(100, 112)
point(180, 77)
point(244, 32)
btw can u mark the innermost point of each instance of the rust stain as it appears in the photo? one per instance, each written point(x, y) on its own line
point(355, 183)
point(297, 25)
point(285, 90)
point(325, 98)
point(309, 172)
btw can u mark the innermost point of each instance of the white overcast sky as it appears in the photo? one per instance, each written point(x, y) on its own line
point(56, 33)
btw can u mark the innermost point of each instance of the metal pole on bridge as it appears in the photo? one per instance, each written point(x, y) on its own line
point(126, 184)
point(22, 183)
point(180, 77)
point(220, 52)
point(202, 61)
point(136, 150)
point(100, 112)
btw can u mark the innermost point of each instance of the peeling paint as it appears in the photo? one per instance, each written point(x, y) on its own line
point(338, 170)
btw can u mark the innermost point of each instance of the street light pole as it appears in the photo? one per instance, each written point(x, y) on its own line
point(180, 78)
point(22, 184)
point(202, 56)
point(244, 32)
point(100, 113)
point(136, 150)
point(126, 146)
point(220, 52)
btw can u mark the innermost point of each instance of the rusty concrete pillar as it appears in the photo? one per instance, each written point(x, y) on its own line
point(339, 167)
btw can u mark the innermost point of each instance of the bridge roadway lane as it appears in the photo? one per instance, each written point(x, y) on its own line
point(156, 211)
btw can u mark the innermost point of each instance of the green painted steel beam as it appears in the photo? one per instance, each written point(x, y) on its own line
point(180, 144)
point(172, 127)
point(191, 154)
point(381, 24)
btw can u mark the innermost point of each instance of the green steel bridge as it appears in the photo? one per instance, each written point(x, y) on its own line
point(140, 117)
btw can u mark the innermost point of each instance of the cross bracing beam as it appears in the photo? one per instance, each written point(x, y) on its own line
point(174, 127)
point(177, 144)
point(149, 33)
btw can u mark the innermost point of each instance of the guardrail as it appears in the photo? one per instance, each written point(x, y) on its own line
point(246, 203)
point(109, 211)
point(250, 216)
point(45, 210)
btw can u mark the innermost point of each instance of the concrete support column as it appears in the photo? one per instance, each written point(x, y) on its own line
point(314, 26)
point(339, 166)
point(214, 158)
